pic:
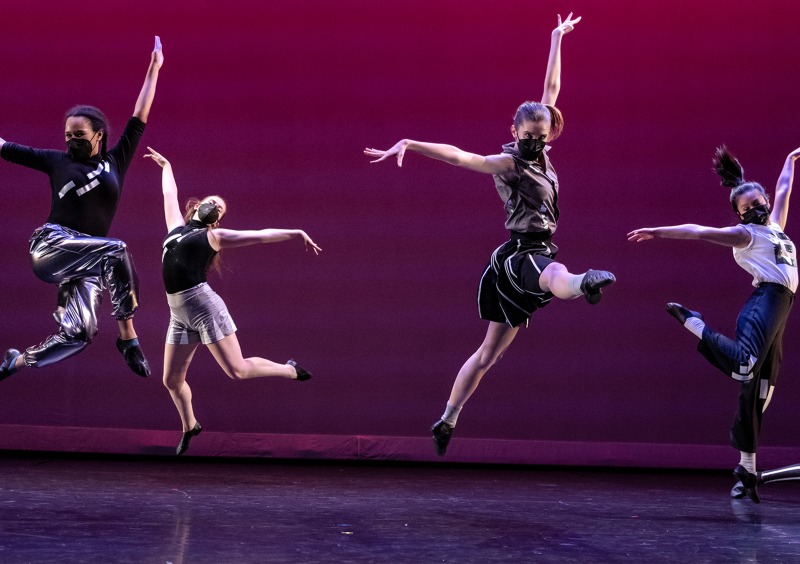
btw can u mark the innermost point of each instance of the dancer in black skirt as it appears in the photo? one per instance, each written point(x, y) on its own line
point(197, 313)
point(763, 250)
point(71, 249)
point(522, 275)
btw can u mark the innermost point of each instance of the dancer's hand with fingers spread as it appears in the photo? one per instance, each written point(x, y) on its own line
point(639, 235)
point(399, 150)
point(566, 26)
point(307, 242)
point(156, 157)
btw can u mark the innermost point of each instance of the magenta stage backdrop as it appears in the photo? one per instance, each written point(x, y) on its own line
point(270, 104)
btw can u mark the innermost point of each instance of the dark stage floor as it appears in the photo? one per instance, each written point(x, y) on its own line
point(101, 509)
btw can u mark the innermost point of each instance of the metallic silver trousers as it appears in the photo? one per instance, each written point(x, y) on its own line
point(82, 266)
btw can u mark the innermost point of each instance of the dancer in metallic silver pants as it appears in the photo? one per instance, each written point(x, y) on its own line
point(82, 266)
point(72, 248)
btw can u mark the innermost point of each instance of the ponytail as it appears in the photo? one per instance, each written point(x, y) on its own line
point(728, 168)
point(731, 174)
point(556, 122)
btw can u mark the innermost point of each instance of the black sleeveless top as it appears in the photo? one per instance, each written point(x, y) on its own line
point(186, 257)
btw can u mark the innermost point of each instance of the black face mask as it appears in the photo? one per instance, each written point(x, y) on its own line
point(208, 213)
point(530, 149)
point(757, 214)
point(79, 149)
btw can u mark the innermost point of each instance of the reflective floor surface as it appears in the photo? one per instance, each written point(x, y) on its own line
point(58, 508)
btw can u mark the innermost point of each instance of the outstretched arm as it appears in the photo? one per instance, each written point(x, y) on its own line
point(552, 77)
point(492, 164)
point(145, 100)
point(736, 236)
point(780, 207)
point(172, 208)
point(225, 238)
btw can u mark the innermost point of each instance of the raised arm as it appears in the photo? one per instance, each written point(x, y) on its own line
point(491, 164)
point(172, 208)
point(736, 236)
point(552, 77)
point(145, 100)
point(226, 238)
point(780, 207)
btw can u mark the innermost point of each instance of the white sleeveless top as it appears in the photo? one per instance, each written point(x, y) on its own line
point(770, 257)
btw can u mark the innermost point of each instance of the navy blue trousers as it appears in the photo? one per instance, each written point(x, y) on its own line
point(753, 357)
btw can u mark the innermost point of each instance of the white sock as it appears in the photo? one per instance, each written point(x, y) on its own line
point(748, 461)
point(575, 284)
point(695, 325)
point(451, 415)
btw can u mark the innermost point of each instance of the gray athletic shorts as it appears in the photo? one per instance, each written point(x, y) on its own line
point(198, 315)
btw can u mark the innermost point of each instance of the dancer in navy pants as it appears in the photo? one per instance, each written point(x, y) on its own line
point(763, 250)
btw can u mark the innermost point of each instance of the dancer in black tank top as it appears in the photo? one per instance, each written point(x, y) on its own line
point(197, 313)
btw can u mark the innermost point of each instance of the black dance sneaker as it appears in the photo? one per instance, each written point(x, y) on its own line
point(738, 490)
point(441, 436)
point(593, 282)
point(183, 446)
point(134, 356)
point(302, 375)
point(749, 483)
point(681, 313)
point(7, 367)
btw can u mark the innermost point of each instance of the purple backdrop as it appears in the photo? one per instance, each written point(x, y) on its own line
point(270, 105)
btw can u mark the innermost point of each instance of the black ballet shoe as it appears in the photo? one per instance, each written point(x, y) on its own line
point(681, 313)
point(738, 490)
point(749, 483)
point(592, 283)
point(134, 356)
point(8, 365)
point(302, 375)
point(442, 432)
point(183, 446)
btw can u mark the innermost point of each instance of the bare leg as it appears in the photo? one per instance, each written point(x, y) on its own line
point(498, 338)
point(176, 362)
point(230, 359)
point(126, 330)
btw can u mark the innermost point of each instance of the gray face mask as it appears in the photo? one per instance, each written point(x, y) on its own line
point(208, 213)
